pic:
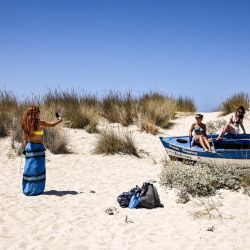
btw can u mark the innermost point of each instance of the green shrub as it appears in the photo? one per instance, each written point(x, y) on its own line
point(204, 179)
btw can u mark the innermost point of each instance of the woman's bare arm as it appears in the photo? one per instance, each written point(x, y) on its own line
point(242, 126)
point(44, 124)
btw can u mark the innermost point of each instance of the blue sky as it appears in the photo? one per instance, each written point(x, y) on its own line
point(196, 48)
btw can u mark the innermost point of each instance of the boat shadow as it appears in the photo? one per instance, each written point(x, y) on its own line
point(59, 193)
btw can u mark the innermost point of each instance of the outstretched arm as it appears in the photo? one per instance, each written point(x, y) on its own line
point(45, 124)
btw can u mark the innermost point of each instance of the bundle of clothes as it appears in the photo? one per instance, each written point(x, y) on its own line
point(144, 197)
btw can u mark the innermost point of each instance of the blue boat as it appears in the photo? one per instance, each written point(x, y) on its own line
point(233, 148)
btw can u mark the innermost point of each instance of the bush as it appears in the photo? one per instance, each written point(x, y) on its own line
point(56, 140)
point(214, 126)
point(204, 179)
point(234, 101)
point(111, 143)
point(118, 108)
point(157, 108)
point(185, 104)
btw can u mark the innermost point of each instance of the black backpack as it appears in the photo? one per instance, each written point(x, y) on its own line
point(124, 198)
point(149, 196)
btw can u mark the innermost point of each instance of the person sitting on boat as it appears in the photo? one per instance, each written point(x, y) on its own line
point(200, 135)
point(234, 123)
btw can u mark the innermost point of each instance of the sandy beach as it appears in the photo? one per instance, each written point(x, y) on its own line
point(80, 186)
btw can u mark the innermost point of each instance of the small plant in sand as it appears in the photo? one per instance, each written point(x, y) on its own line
point(204, 179)
point(214, 126)
point(110, 142)
point(234, 101)
point(119, 107)
point(185, 104)
point(156, 108)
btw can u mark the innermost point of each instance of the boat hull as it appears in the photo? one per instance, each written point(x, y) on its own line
point(233, 150)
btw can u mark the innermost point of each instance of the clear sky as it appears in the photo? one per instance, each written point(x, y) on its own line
point(197, 48)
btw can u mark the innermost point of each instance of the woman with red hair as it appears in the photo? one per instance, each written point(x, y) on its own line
point(34, 171)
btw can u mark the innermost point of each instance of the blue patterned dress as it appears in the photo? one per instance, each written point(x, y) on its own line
point(34, 175)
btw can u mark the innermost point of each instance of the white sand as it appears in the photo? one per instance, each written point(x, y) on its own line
point(74, 218)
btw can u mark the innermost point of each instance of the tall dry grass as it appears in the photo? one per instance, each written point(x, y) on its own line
point(79, 110)
point(155, 110)
point(8, 111)
point(185, 104)
point(119, 107)
point(233, 102)
point(110, 142)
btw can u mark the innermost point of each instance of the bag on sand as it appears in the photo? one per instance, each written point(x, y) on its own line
point(149, 196)
point(124, 198)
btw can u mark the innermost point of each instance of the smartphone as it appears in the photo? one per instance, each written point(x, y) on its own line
point(57, 116)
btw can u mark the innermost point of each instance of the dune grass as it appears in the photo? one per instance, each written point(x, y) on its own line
point(233, 102)
point(203, 179)
point(110, 142)
point(119, 107)
point(156, 109)
point(79, 110)
point(8, 110)
point(185, 104)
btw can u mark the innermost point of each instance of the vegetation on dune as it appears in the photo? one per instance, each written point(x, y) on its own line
point(233, 102)
point(78, 109)
point(110, 142)
point(185, 104)
point(157, 109)
point(203, 179)
point(119, 108)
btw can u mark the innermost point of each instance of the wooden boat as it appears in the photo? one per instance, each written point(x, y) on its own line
point(233, 148)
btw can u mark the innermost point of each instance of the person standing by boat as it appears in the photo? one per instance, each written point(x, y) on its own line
point(200, 135)
point(34, 170)
point(234, 123)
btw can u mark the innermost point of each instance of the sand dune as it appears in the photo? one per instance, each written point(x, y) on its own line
point(81, 186)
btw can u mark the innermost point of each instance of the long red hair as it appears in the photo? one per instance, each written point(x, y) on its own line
point(30, 120)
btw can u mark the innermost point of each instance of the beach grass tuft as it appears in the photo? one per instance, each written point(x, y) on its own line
point(119, 107)
point(110, 142)
point(233, 102)
point(185, 104)
point(157, 108)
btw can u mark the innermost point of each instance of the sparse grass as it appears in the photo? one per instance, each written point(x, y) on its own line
point(204, 179)
point(185, 104)
point(119, 107)
point(56, 140)
point(234, 101)
point(111, 143)
point(157, 108)
point(214, 126)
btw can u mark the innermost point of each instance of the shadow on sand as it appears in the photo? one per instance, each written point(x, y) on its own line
point(59, 193)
